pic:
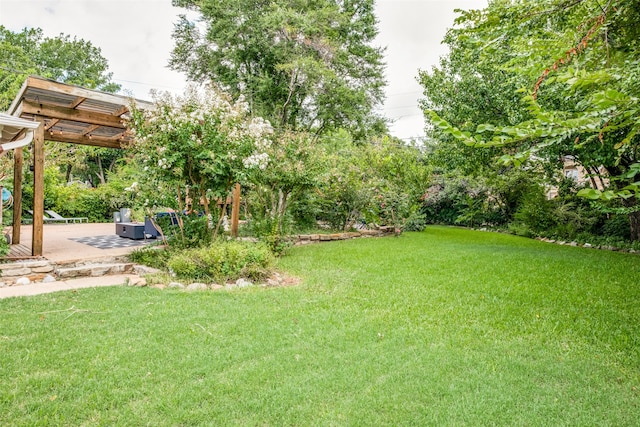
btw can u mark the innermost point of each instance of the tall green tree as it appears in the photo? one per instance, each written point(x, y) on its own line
point(305, 65)
point(580, 61)
point(67, 60)
point(62, 58)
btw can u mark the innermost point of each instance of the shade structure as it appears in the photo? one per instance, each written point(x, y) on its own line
point(54, 111)
point(15, 132)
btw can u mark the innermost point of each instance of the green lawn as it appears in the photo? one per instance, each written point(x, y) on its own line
point(444, 327)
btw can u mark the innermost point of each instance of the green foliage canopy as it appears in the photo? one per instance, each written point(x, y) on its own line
point(303, 65)
point(581, 51)
point(62, 58)
point(577, 66)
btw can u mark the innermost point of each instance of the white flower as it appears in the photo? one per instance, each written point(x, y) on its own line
point(259, 160)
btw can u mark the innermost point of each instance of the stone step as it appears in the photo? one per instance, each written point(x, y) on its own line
point(95, 270)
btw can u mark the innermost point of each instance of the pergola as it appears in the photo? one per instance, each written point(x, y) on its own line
point(70, 114)
point(63, 113)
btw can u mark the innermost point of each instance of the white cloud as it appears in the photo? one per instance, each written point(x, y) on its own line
point(135, 37)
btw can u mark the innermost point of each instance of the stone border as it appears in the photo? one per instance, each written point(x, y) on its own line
point(563, 242)
point(43, 270)
point(586, 245)
point(304, 239)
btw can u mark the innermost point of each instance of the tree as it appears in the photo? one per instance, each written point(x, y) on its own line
point(64, 59)
point(295, 162)
point(203, 140)
point(580, 60)
point(381, 183)
point(305, 66)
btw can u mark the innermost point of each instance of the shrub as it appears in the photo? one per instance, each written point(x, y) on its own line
point(535, 212)
point(223, 261)
point(193, 232)
point(4, 246)
point(152, 256)
point(617, 226)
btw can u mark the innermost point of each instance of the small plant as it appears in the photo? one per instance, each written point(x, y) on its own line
point(152, 256)
point(4, 245)
point(223, 261)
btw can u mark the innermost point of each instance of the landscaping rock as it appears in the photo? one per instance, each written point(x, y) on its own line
point(23, 281)
point(48, 268)
point(243, 283)
point(216, 287)
point(2, 284)
point(48, 279)
point(197, 287)
point(176, 285)
point(573, 244)
point(143, 269)
point(272, 282)
point(16, 272)
point(137, 281)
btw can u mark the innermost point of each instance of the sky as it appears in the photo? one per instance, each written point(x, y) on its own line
point(135, 38)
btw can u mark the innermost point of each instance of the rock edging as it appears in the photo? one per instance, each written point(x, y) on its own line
point(304, 239)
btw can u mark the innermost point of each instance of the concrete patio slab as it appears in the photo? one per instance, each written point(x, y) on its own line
point(57, 244)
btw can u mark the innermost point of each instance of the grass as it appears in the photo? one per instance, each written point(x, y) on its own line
point(444, 327)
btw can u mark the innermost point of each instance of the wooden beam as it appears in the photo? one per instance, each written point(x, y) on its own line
point(79, 100)
point(38, 189)
point(70, 114)
point(235, 211)
point(72, 138)
point(123, 109)
point(18, 157)
point(51, 85)
point(91, 129)
point(119, 137)
point(51, 124)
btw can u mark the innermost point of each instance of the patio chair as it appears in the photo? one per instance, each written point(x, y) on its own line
point(57, 217)
point(46, 219)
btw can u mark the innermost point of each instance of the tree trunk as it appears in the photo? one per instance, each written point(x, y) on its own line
point(100, 173)
point(634, 218)
point(634, 221)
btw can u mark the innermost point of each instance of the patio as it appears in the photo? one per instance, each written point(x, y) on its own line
point(64, 242)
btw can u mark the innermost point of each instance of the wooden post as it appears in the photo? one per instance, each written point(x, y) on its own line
point(38, 189)
point(18, 157)
point(235, 211)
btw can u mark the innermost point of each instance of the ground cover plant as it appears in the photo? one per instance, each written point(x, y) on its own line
point(442, 327)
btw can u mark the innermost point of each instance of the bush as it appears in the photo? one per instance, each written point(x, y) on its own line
point(617, 226)
point(193, 233)
point(223, 261)
point(535, 212)
point(152, 256)
point(4, 246)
